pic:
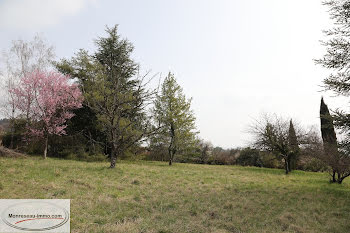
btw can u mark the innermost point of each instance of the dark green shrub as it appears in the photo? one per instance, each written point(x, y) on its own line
point(15, 133)
point(250, 157)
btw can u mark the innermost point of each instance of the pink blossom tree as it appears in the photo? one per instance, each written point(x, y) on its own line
point(47, 101)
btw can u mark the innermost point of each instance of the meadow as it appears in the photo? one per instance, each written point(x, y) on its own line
point(142, 196)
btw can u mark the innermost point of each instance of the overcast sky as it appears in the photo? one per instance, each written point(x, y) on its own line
point(236, 58)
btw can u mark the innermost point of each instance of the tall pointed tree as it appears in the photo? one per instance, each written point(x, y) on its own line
point(172, 112)
point(338, 160)
point(327, 129)
point(330, 144)
point(294, 146)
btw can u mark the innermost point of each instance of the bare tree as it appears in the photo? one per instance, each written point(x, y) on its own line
point(273, 134)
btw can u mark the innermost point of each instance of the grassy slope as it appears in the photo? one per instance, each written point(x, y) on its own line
point(153, 197)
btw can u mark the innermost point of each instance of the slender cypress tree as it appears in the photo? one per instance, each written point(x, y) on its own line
point(329, 138)
point(338, 160)
point(327, 128)
point(293, 145)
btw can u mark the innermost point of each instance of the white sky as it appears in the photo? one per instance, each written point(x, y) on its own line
point(236, 58)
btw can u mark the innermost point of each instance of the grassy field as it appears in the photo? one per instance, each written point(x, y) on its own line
point(153, 197)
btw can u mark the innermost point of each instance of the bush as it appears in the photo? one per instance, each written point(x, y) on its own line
point(17, 135)
point(33, 147)
point(188, 158)
point(314, 165)
point(250, 157)
point(270, 161)
point(222, 158)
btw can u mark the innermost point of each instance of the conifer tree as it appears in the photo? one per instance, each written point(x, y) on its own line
point(114, 91)
point(338, 160)
point(294, 146)
point(172, 112)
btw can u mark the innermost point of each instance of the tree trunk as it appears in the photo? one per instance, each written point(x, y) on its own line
point(113, 161)
point(171, 156)
point(286, 166)
point(12, 133)
point(92, 142)
point(340, 178)
point(11, 143)
point(46, 145)
point(333, 177)
point(172, 148)
point(113, 157)
point(290, 162)
point(12, 127)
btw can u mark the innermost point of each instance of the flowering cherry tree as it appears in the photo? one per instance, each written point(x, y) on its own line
point(47, 101)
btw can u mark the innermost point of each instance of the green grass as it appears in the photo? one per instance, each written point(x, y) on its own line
point(153, 197)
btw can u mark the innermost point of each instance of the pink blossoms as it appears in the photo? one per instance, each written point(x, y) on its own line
point(47, 101)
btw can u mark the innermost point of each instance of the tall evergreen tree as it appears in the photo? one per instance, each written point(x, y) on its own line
point(294, 146)
point(172, 112)
point(84, 128)
point(330, 144)
point(327, 129)
point(113, 91)
point(338, 160)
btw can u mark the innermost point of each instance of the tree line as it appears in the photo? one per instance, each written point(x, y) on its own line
point(94, 103)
